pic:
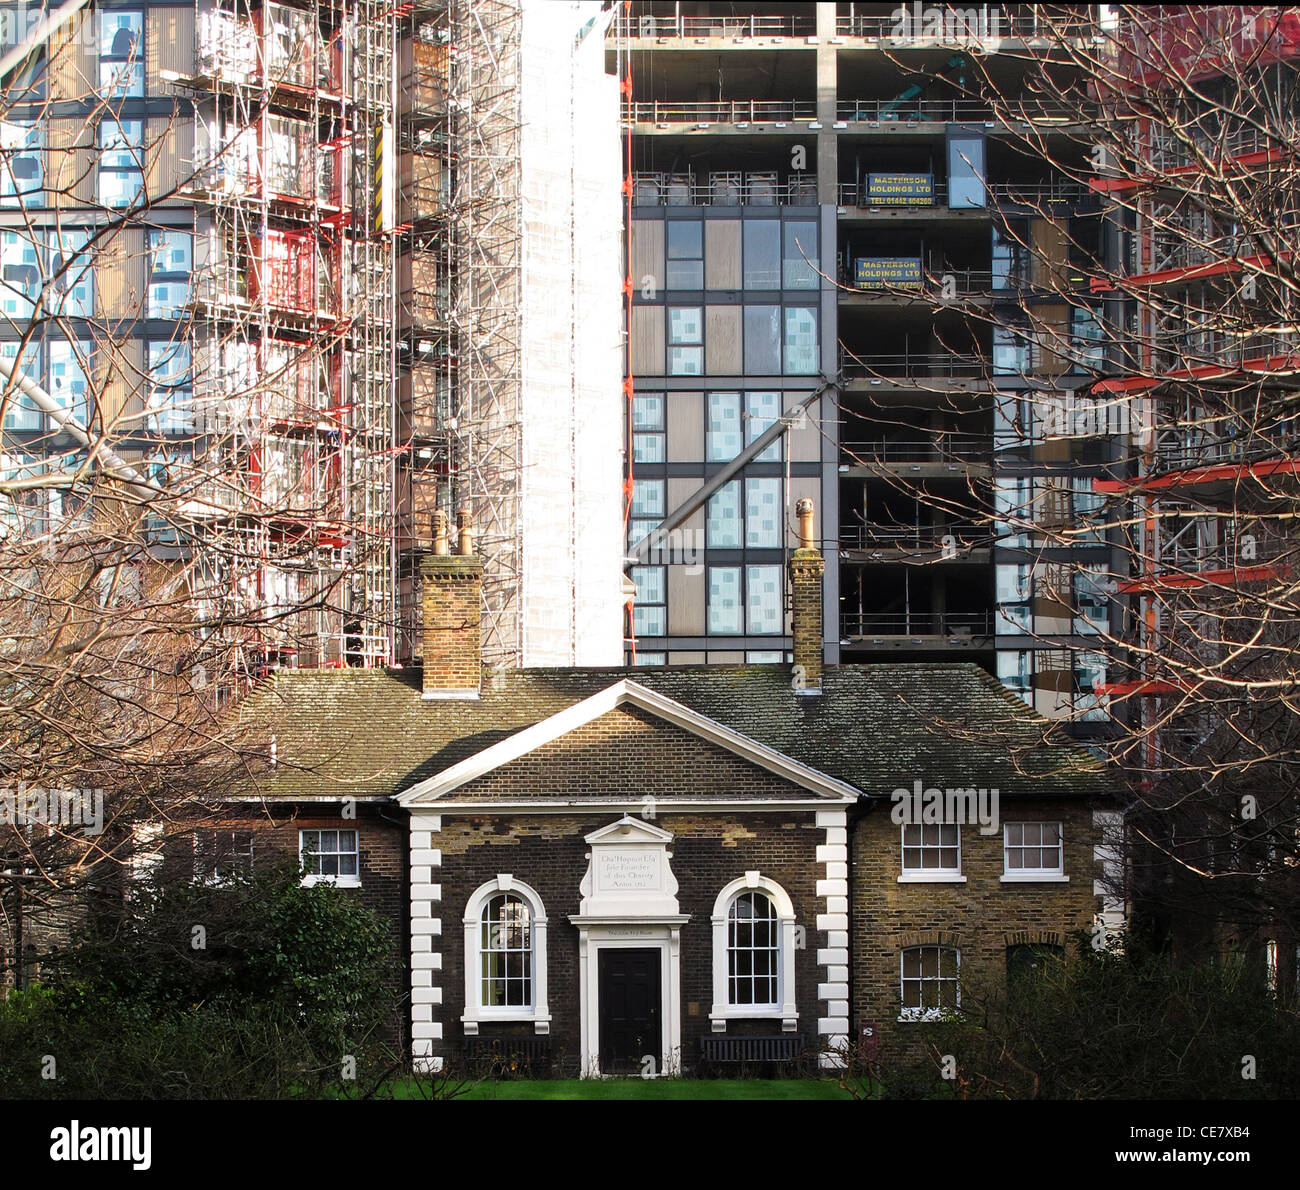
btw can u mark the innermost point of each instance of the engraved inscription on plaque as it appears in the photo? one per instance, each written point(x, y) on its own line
point(627, 871)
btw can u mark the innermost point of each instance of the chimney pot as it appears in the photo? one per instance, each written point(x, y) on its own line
point(452, 598)
point(807, 566)
point(804, 511)
point(465, 532)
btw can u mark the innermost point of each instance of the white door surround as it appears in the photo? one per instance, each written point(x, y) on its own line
point(629, 901)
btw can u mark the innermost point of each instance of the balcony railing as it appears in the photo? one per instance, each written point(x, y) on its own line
point(918, 623)
point(1001, 194)
point(941, 448)
point(914, 537)
point(647, 25)
point(948, 111)
point(730, 188)
point(962, 281)
point(957, 29)
point(725, 111)
point(911, 365)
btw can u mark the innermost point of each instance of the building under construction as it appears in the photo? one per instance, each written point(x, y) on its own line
point(315, 270)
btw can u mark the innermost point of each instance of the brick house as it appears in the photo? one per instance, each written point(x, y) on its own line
point(630, 870)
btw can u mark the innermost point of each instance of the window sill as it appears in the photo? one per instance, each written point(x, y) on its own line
point(337, 881)
point(924, 1018)
point(935, 878)
point(1035, 878)
point(722, 1013)
point(541, 1023)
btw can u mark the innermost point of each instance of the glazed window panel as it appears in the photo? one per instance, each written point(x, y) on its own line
point(762, 340)
point(22, 167)
point(764, 600)
point(121, 55)
point(685, 341)
point(929, 981)
point(931, 849)
point(685, 254)
point(762, 249)
point(801, 341)
point(506, 951)
point(799, 257)
point(723, 525)
point(1033, 847)
point(649, 613)
point(648, 437)
point(331, 854)
point(723, 436)
point(724, 612)
point(762, 409)
point(753, 951)
point(763, 513)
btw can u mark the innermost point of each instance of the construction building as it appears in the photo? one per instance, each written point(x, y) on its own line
point(312, 270)
point(845, 282)
point(1202, 205)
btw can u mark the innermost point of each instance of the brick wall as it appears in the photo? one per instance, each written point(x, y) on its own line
point(381, 843)
point(637, 754)
point(981, 917)
point(451, 644)
point(548, 853)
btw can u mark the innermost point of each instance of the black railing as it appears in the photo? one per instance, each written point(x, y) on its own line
point(911, 366)
point(955, 110)
point(722, 111)
point(647, 25)
point(918, 623)
point(1001, 194)
point(959, 27)
point(959, 537)
point(941, 448)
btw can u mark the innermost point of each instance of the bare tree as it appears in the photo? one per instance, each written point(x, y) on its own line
point(1137, 335)
point(170, 514)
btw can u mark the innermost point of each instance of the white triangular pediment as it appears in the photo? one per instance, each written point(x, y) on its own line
point(629, 830)
point(625, 693)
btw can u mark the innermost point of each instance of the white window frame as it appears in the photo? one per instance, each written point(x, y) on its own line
point(1033, 875)
point(219, 878)
point(310, 879)
point(927, 1014)
point(476, 1012)
point(928, 875)
point(784, 1009)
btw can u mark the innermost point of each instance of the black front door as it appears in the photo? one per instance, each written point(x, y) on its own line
point(629, 1011)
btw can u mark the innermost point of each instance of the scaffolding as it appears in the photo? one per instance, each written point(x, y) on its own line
point(486, 245)
point(293, 317)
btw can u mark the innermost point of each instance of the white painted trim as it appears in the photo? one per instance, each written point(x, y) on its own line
point(454, 695)
point(618, 694)
point(544, 805)
point(784, 1009)
point(937, 878)
point(426, 928)
point(336, 881)
point(476, 1012)
point(1034, 878)
point(833, 889)
point(665, 935)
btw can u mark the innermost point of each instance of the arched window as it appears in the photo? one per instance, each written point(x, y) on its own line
point(753, 953)
point(506, 944)
point(753, 950)
point(505, 956)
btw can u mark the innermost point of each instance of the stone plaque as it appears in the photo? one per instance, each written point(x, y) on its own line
point(627, 871)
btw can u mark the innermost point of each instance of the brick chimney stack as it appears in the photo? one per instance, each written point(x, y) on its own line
point(452, 596)
point(806, 569)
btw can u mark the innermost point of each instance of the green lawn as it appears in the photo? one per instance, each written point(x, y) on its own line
point(635, 1088)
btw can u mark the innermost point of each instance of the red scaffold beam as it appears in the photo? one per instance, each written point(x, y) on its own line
point(1198, 475)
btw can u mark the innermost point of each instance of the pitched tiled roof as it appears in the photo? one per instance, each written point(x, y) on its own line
point(367, 732)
